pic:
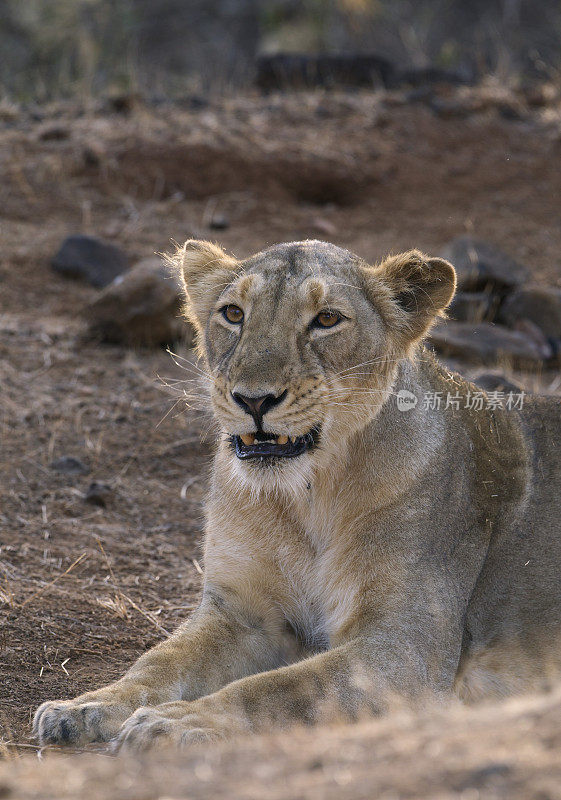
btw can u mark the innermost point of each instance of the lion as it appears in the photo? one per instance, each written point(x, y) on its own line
point(362, 553)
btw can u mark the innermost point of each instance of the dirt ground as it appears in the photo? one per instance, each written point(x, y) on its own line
point(84, 589)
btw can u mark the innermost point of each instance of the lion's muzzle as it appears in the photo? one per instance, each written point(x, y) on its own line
point(267, 445)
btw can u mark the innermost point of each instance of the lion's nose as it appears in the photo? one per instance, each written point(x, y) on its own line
point(258, 406)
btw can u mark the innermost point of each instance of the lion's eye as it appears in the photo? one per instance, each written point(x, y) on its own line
point(327, 319)
point(233, 314)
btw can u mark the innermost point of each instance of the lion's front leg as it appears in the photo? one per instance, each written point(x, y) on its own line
point(217, 646)
point(342, 684)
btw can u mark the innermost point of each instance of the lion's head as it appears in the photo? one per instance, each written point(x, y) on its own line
point(302, 343)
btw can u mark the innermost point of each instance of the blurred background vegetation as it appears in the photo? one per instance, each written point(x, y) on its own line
point(54, 48)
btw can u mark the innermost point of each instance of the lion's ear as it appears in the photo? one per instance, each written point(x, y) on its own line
point(419, 287)
point(204, 270)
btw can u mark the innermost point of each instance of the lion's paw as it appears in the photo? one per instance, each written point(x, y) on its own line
point(77, 722)
point(149, 728)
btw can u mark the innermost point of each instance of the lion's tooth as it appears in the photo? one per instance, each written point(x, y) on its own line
point(282, 439)
point(247, 438)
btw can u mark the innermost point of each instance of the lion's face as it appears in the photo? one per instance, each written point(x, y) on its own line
point(302, 343)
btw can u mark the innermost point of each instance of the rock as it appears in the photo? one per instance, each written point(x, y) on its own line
point(430, 76)
point(531, 330)
point(89, 258)
point(480, 265)
point(92, 155)
point(194, 102)
point(323, 225)
point(9, 112)
point(488, 344)
point(53, 133)
point(496, 382)
point(292, 71)
point(69, 466)
point(473, 306)
point(122, 102)
point(539, 304)
point(98, 494)
point(540, 95)
point(140, 307)
point(556, 347)
point(511, 110)
point(219, 222)
point(449, 108)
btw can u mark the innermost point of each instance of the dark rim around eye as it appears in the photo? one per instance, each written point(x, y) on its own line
point(234, 310)
point(336, 318)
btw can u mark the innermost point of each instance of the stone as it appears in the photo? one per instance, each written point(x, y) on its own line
point(432, 75)
point(480, 265)
point(54, 133)
point(538, 304)
point(98, 494)
point(449, 108)
point(324, 226)
point(122, 102)
point(219, 222)
point(90, 259)
point(540, 95)
point(486, 343)
point(69, 466)
point(140, 308)
point(512, 110)
point(533, 332)
point(292, 71)
point(473, 306)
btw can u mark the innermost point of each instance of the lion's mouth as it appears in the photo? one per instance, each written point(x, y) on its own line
point(269, 445)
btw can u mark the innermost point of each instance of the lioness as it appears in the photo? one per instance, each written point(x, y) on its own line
point(360, 553)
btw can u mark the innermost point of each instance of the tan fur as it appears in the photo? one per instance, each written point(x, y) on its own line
point(409, 556)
